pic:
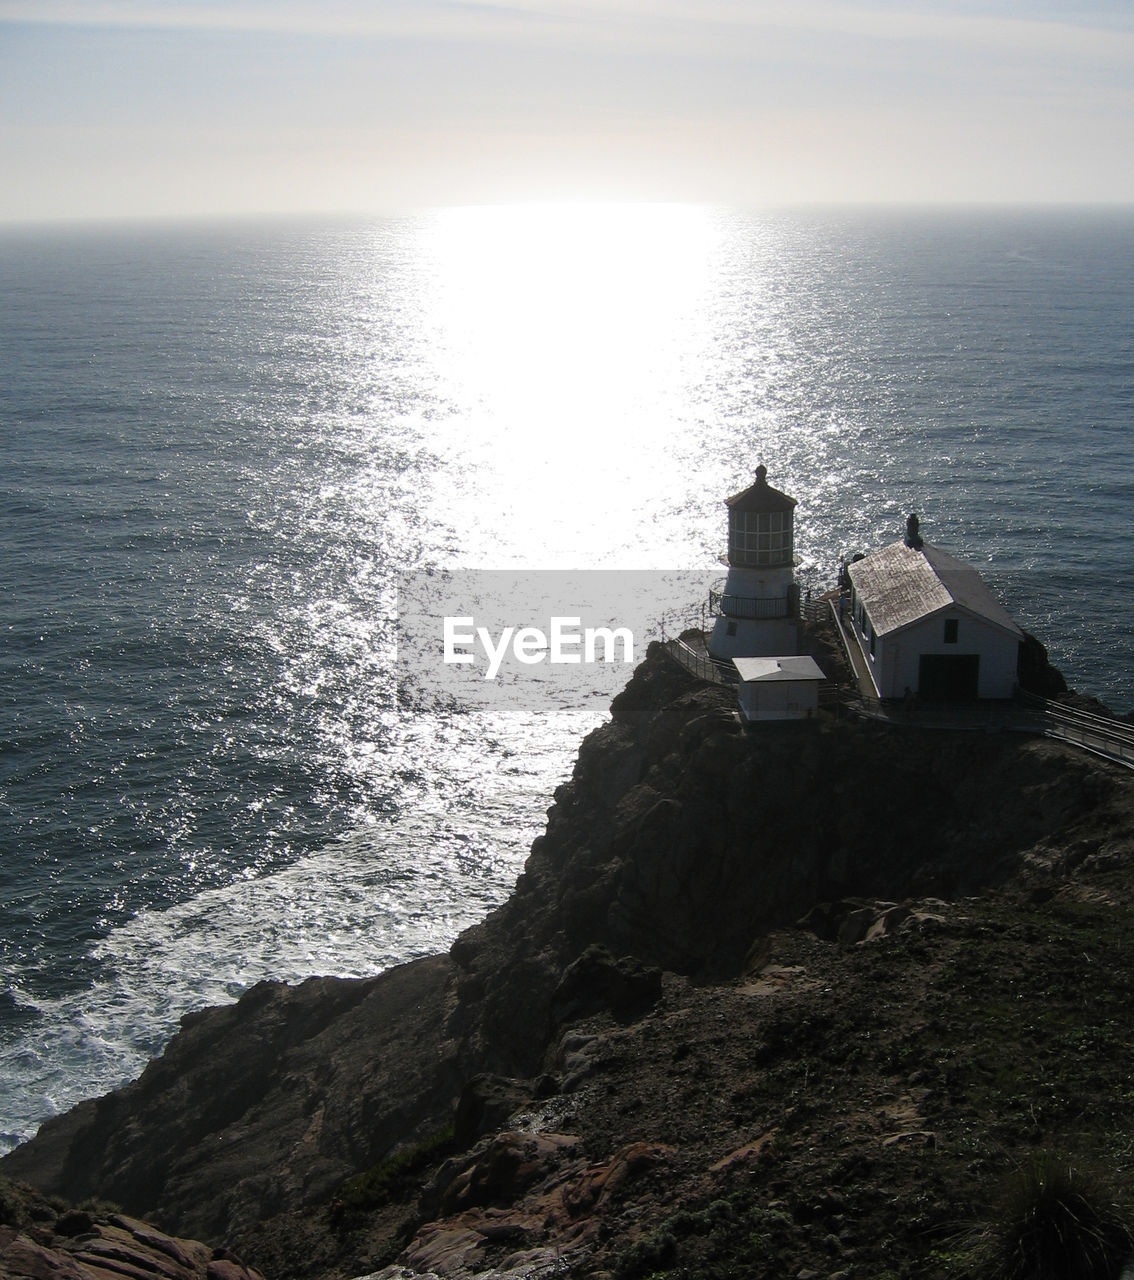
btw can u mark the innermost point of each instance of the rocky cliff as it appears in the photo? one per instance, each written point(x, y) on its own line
point(43, 1241)
point(635, 1024)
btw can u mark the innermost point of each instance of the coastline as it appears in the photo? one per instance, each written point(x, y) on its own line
point(658, 896)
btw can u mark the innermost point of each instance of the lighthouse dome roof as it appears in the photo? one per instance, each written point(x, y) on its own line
point(760, 496)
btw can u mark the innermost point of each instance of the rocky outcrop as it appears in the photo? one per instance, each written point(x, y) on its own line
point(683, 838)
point(681, 843)
point(522, 1203)
point(1035, 672)
point(262, 1105)
point(40, 1242)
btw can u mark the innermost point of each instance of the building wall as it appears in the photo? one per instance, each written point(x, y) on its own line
point(897, 660)
point(768, 580)
point(754, 638)
point(778, 699)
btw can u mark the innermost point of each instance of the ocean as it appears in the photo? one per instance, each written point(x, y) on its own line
point(221, 444)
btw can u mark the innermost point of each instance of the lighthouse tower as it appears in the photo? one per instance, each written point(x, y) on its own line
point(758, 609)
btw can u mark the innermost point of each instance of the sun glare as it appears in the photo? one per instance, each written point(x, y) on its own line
point(564, 334)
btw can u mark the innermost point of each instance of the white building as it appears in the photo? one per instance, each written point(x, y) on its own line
point(778, 688)
point(758, 608)
point(927, 624)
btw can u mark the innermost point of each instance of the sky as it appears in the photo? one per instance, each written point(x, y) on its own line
point(142, 108)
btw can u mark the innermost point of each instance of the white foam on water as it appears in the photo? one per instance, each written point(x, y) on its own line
point(386, 892)
point(364, 903)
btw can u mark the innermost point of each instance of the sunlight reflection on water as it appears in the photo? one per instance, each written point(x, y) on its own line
point(568, 337)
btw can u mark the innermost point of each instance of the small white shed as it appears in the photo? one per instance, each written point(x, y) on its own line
point(784, 688)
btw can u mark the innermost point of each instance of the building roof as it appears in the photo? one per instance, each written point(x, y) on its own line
point(766, 670)
point(900, 585)
point(760, 496)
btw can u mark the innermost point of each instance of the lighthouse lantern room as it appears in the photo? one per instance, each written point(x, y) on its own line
point(757, 610)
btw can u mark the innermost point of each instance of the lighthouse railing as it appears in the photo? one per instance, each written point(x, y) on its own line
point(734, 606)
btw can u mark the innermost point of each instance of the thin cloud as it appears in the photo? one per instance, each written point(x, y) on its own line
point(383, 102)
point(1098, 34)
point(296, 18)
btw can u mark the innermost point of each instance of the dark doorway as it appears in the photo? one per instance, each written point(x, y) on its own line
point(948, 677)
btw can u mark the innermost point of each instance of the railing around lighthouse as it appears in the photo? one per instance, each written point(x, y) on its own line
point(734, 606)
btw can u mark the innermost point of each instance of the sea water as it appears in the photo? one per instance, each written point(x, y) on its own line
point(220, 446)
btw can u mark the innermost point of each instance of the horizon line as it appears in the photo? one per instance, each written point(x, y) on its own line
point(65, 220)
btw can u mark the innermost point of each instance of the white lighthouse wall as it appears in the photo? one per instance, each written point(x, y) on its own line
point(761, 583)
point(756, 637)
point(753, 637)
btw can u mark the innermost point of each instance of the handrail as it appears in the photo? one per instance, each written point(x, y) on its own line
point(1105, 736)
point(699, 664)
point(815, 610)
point(702, 665)
point(1062, 710)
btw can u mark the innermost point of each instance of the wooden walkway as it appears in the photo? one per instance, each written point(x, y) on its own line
point(853, 654)
point(1101, 735)
point(696, 660)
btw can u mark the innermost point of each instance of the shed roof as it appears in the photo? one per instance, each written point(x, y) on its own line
point(900, 585)
point(760, 496)
point(766, 670)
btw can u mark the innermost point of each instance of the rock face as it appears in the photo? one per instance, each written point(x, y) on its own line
point(515, 1192)
point(683, 838)
point(37, 1242)
point(257, 1106)
point(681, 842)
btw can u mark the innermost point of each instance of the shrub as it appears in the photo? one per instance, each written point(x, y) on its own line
point(1055, 1222)
point(387, 1180)
point(645, 1256)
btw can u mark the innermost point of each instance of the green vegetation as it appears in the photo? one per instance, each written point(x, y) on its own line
point(1055, 1222)
point(726, 1238)
point(22, 1206)
point(646, 1256)
point(98, 1207)
point(391, 1179)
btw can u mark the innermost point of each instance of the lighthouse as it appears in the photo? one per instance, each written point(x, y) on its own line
point(757, 610)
